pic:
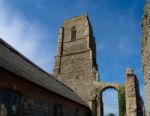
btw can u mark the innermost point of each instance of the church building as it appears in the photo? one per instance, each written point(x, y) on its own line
point(74, 88)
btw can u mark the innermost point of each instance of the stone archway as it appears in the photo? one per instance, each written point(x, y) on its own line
point(101, 87)
point(102, 97)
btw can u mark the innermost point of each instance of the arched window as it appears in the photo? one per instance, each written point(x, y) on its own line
point(73, 34)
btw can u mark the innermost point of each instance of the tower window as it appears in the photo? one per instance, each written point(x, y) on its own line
point(73, 34)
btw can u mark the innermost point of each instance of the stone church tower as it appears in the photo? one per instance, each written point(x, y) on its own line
point(146, 52)
point(75, 63)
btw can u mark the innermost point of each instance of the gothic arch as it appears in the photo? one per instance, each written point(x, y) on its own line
point(108, 87)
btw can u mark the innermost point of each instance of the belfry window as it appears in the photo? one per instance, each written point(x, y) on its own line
point(73, 34)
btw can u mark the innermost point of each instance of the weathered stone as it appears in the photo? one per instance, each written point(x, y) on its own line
point(146, 52)
point(75, 66)
point(75, 63)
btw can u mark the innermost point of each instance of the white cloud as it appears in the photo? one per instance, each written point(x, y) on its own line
point(25, 36)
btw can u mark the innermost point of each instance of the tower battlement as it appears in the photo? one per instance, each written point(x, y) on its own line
point(76, 18)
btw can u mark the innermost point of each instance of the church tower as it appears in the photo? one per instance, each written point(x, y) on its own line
point(146, 52)
point(75, 62)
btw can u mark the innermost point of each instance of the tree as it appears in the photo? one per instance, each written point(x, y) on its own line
point(110, 114)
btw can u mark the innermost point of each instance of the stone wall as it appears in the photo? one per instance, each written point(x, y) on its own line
point(146, 53)
point(134, 102)
point(103, 86)
point(75, 66)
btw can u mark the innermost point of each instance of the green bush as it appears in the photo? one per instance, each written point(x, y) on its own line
point(122, 102)
point(110, 114)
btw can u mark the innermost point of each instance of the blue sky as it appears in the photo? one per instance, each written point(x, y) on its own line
point(31, 26)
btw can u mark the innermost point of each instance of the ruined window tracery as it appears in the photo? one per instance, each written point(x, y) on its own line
point(73, 34)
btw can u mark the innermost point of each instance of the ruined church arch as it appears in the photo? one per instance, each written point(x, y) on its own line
point(101, 87)
point(107, 89)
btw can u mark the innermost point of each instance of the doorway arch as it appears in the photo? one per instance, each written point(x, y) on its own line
point(101, 87)
point(108, 90)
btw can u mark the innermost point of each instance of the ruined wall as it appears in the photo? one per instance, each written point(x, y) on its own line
point(75, 63)
point(103, 86)
point(134, 102)
point(146, 52)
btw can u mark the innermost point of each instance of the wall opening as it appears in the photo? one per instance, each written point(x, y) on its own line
point(110, 102)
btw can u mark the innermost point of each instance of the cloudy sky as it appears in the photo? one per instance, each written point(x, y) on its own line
point(31, 26)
